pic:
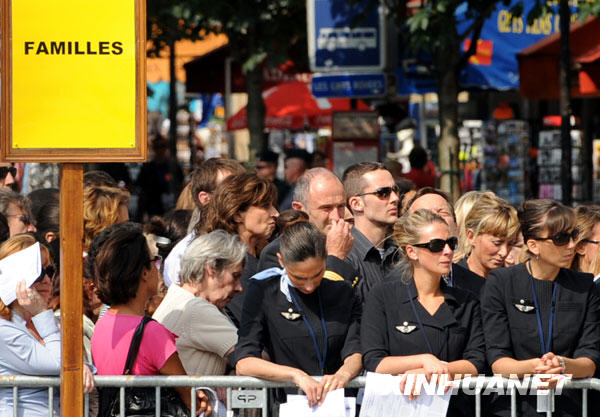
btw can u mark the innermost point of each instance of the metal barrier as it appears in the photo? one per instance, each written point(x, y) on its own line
point(254, 392)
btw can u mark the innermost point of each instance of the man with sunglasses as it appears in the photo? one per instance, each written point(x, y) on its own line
point(8, 173)
point(17, 210)
point(373, 200)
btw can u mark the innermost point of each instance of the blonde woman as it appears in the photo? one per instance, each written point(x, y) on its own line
point(415, 323)
point(463, 206)
point(491, 225)
point(102, 207)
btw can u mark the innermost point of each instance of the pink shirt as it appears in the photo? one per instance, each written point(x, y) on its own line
point(112, 338)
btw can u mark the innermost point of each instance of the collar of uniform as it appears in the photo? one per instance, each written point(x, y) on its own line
point(364, 246)
point(442, 318)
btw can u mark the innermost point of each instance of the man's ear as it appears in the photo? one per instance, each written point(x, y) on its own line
point(203, 198)
point(356, 204)
point(50, 236)
point(296, 205)
point(280, 259)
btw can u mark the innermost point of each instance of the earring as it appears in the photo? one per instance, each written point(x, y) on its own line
point(537, 257)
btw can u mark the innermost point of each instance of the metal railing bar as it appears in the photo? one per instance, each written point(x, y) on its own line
point(122, 401)
point(50, 401)
point(15, 401)
point(157, 409)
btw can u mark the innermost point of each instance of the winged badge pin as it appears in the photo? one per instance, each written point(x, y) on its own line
point(405, 328)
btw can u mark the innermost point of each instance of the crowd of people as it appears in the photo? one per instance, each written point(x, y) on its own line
point(361, 273)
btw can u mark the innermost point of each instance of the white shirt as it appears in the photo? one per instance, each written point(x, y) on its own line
point(173, 261)
point(23, 354)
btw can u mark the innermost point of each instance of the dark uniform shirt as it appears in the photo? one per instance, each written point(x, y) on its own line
point(368, 262)
point(462, 277)
point(289, 342)
point(390, 328)
point(337, 269)
point(511, 327)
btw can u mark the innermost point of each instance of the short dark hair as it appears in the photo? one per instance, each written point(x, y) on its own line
point(119, 255)
point(302, 241)
point(353, 176)
point(417, 157)
point(204, 178)
point(538, 214)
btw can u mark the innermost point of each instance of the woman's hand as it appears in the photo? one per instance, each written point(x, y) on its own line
point(416, 383)
point(310, 386)
point(433, 365)
point(88, 380)
point(332, 382)
point(30, 299)
point(549, 365)
point(203, 404)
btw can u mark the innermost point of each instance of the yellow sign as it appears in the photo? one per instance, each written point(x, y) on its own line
point(76, 76)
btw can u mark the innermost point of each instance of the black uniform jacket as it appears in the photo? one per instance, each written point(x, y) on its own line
point(288, 341)
point(511, 327)
point(390, 328)
point(466, 279)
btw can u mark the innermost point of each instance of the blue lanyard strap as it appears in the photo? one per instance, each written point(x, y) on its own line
point(322, 357)
point(422, 328)
point(544, 345)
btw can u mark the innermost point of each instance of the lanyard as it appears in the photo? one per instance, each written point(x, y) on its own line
point(544, 346)
point(322, 357)
point(422, 328)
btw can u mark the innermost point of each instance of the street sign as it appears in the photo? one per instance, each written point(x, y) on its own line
point(349, 85)
point(343, 37)
point(73, 80)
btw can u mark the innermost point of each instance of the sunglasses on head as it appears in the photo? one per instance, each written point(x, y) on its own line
point(383, 192)
point(5, 170)
point(49, 271)
point(562, 238)
point(438, 245)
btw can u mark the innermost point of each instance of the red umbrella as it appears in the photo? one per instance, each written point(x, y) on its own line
point(292, 106)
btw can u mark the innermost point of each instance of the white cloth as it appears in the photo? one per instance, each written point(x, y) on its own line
point(173, 261)
point(23, 354)
point(204, 333)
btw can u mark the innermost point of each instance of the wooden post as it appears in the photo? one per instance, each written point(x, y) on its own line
point(71, 289)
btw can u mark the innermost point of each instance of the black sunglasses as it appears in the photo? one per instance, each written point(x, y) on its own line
point(49, 270)
point(383, 192)
point(5, 170)
point(562, 238)
point(438, 245)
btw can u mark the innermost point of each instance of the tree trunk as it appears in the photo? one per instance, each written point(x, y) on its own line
point(256, 110)
point(172, 102)
point(448, 144)
point(566, 180)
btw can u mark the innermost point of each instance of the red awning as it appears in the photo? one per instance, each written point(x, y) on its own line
point(292, 106)
point(539, 64)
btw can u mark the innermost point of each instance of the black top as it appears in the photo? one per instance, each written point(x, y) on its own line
point(465, 279)
point(388, 320)
point(390, 328)
point(337, 269)
point(371, 265)
point(234, 307)
point(511, 327)
point(288, 342)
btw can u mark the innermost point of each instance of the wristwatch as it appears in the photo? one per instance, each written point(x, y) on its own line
point(563, 364)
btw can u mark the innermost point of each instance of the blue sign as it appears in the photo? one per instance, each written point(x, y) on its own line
point(348, 85)
point(345, 38)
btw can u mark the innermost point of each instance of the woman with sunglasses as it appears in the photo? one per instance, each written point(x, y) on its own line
point(488, 228)
point(540, 317)
point(587, 255)
point(414, 323)
point(30, 340)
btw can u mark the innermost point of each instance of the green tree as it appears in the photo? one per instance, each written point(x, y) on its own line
point(259, 32)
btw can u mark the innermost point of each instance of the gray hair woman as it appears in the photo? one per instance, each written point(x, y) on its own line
point(209, 277)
